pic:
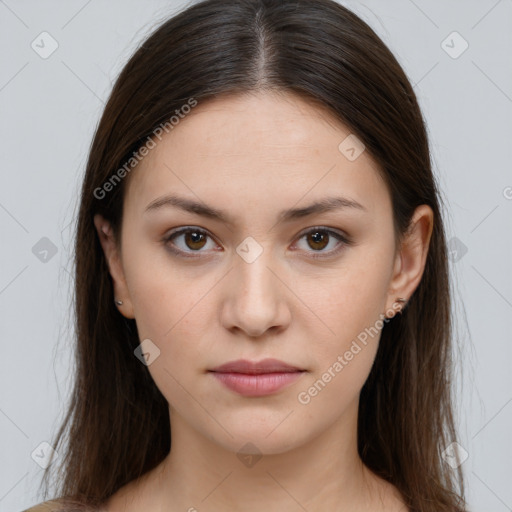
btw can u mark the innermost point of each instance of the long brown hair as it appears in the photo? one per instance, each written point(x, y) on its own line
point(117, 425)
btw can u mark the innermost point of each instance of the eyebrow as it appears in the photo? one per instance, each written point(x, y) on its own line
point(192, 206)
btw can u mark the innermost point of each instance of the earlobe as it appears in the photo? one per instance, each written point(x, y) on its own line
point(111, 254)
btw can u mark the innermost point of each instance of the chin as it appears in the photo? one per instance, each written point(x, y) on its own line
point(261, 439)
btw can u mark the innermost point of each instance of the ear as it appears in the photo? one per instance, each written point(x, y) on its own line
point(113, 259)
point(411, 257)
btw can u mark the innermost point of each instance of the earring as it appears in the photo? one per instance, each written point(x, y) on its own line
point(118, 302)
point(403, 301)
point(398, 300)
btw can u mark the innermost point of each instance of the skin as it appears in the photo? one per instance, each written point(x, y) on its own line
point(252, 156)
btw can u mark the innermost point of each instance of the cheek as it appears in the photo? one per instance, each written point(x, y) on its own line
point(351, 299)
point(350, 306)
point(170, 311)
point(165, 295)
point(335, 390)
point(342, 359)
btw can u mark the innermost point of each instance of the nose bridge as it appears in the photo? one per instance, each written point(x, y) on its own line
point(255, 303)
point(255, 282)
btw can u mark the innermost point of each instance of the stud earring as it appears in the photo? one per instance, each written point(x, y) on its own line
point(398, 301)
point(402, 301)
point(118, 302)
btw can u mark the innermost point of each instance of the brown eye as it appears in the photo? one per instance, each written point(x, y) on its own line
point(190, 242)
point(194, 240)
point(186, 241)
point(317, 240)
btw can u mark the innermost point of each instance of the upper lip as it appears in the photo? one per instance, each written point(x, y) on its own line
point(256, 367)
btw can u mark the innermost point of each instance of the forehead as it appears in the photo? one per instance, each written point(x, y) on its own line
point(270, 148)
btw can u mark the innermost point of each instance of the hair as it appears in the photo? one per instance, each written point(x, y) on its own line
point(117, 423)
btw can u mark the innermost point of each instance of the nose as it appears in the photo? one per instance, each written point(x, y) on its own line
point(255, 298)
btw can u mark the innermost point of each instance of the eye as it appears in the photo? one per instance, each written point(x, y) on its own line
point(319, 237)
point(195, 239)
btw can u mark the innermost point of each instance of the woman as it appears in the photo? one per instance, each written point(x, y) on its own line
point(262, 289)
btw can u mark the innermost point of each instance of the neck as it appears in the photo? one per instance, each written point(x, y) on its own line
point(325, 472)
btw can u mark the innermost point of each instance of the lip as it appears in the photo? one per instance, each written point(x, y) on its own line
point(256, 367)
point(259, 378)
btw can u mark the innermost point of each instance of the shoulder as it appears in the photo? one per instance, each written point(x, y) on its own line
point(47, 506)
point(61, 505)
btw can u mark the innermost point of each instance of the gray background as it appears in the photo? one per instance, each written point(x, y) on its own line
point(50, 107)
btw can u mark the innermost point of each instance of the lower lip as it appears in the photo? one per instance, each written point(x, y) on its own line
point(257, 385)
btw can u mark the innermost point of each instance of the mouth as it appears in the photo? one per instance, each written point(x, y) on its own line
point(256, 367)
point(259, 378)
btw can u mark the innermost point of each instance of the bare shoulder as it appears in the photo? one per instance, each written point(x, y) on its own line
point(59, 505)
point(47, 506)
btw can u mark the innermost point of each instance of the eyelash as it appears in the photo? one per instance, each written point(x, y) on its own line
point(344, 239)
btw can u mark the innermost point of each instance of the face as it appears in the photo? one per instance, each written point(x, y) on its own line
point(310, 290)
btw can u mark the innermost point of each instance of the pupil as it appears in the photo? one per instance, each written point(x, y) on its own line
point(318, 238)
point(194, 238)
